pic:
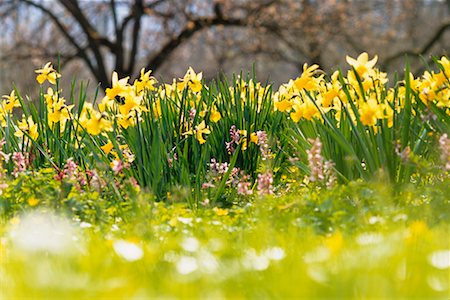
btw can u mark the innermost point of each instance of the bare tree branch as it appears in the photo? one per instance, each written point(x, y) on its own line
point(191, 28)
point(93, 37)
point(66, 34)
point(139, 10)
point(424, 49)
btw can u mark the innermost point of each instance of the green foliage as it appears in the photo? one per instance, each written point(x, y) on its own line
point(366, 240)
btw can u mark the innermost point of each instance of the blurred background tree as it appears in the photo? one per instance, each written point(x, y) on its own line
point(95, 37)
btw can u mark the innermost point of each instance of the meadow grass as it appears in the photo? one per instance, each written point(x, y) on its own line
point(358, 241)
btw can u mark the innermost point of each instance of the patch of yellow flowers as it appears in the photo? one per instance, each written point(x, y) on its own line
point(123, 103)
point(295, 97)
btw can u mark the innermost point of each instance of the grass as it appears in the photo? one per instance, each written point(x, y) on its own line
point(363, 240)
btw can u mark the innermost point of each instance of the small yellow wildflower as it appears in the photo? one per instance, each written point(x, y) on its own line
point(33, 201)
point(220, 211)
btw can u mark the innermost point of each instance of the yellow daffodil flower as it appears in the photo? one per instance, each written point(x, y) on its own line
point(370, 112)
point(47, 73)
point(94, 122)
point(9, 102)
point(28, 126)
point(254, 138)
point(306, 80)
point(284, 105)
point(50, 97)
point(59, 112)
point(145, 82)
point(362, 64)
point(119, 87)
point(193, 80)
point(131, 103)
point(107, 147)
point(199, 131)
point(445, 62)
point(215, 116)
point(126, 121)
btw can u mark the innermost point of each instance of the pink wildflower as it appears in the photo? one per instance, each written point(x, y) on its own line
point(265, 183)
point(263, 145)
point(20, 163)
point(244, 186)
point(70, 169)
point(444, 146)
point(117, 166)
point(315, 160)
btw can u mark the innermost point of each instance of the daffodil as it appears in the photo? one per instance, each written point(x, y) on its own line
point(362, 64)
point(119, 87)
point(47, 73)
point(306, 110)
point(329, 96)
point(306, 80)
point(59, 112)
point(107, 147)
point(254, 138)
point(145, 82)
point(3, 114)
point(215, 116)
point(310, 110)
point(445, 63)
point(284, 105)
point(105, 104)
point(193, 80)
point(126, 121)
point(130, 103)
point(297, 114)
point(199, 131)
point(370, 112)
point(93, 121)
point(27, 126)
point(50, 97)
point(9, 102)
point(156, 107)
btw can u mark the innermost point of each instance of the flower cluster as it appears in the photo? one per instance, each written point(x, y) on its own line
point(239, 137)
point(321, 170)
point(444, 147)
point(264, 182)
point(311, 95)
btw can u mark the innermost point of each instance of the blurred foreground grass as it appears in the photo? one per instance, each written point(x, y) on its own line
point(358, 241)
